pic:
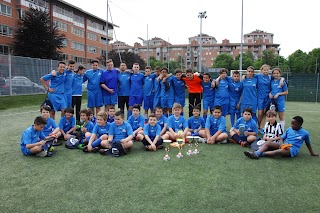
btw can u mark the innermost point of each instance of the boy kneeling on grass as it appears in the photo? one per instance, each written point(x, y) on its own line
point(294, 138)
point(33, 141)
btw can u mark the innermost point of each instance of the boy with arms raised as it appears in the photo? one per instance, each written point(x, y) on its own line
point(290, 143)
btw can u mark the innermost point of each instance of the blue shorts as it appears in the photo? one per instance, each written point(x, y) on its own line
point(68, 99)
point(208, 104)
point(110, 99)
point(135, 100)
point(263, 103)
point(293, 151)
point(253, 107)
point(148, 102)
point(180, 100)
point(57, 100)
point(94, 99)
point(156, 102)
point(167, 103)
point(281, 105)
point(233, 107)
point(26, 151)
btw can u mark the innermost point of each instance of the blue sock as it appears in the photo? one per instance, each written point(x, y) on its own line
point(258, 153)
point(129, 113)
point(96, 143)
point(232, 118)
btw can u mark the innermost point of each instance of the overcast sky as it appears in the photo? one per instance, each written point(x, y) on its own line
point(294, 23)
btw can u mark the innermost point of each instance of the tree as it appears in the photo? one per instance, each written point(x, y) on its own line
point(269, 58)
point(297, 61)
point(35, 37)
point(127, 57)
point(223, 61)
point(314, 60)
point(247, 60)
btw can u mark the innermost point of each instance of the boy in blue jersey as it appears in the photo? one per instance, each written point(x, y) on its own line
point(136, 120)
point(208, 94)
point(77, 90)
point(92, 117)
point(56, 89)
point(245, 130)
point(290, 142)
point(215, 128)
point(136, 87)
point(147, 92)
point(67, 124)
point(177, 124)
point(109, 85)
point(157, 88)
point(249, 93)
point(94, 89)
point(87, 126)
point(222, 96)
point(152, 139)
point(33, 140)
point(179, 88)
point(51, 128)
point(235, 89)
point(167, 92)
point(120, 132)
point(161, 120)
point(195, 122)
point(123, 87)
point(111, 113)
point(68, 83)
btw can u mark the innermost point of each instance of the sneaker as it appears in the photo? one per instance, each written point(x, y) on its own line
point(223, 142)
point(41, 154)
point(202, 140)
point(244, 143)
point(251, 155)
point(56, 143)
point(160, 147)
point(233, 141)
point(261, 131)
point(103, 151)
point(95, 149)
point(85, 149)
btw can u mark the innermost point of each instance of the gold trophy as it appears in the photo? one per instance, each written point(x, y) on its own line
point(179, 155)
point(196, 151)
point(166, 157)
point(189, 153)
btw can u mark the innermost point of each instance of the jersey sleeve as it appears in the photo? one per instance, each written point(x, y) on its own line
point(185, 124)
point(170, 122)
point(146, 129)
point(307, 138)
point(285, 86)
point(222, 125)
point(254, 126)
point(26, 137)
point(62, 120)
point(284, 136)
point(95, 129)
point(42, 136)
point(141, 121)
point(208, 123)
point(73, 122)
point(202, 122)
point(190, 123)
point(48, 77)
point(129, 129)
point(158, 129)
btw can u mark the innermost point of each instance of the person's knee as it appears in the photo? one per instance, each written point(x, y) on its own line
point(105, 144)
point(104, 137)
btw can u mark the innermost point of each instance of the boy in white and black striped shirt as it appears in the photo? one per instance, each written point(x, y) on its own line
point(272, 129)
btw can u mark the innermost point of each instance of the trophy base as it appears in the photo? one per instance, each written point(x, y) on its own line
point(189, 153)
point(179, 155)
point(166, 158)
point(196, 151)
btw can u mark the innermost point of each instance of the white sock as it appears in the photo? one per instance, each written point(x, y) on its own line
point(282, 124)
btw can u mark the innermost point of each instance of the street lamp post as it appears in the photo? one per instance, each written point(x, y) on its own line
point(241, 46)
point(201, 16)
point(143, 41)
point(279, 57)
point(107, 29)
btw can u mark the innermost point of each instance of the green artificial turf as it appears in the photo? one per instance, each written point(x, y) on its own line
point(219, 179)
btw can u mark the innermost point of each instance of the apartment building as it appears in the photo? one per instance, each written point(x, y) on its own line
point(256, 42)
point(86, 34)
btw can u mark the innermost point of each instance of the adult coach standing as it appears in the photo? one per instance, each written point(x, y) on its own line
point(56, 88)
point(109, 85)
point(94, 90)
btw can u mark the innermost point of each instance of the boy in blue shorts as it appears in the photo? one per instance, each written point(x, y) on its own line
point(136, 120)
point(94, 89)
point(179, 88)
point(161, 120)
point(157, 88)
point(215, 128)
point(222, 96)
point(290, 142)
point(167, 92)
point(245, 130)
point(68, 83)
point(56, 88)
point(50, 128)
point(152, 139)
point(120, 132)
point(195, 122)
point(136, 87)
point(235, 89)
point(33, 140)
point(147, 92)
point(87, 126)
point(208, 94)
point(109, 85)
point(123, 87)
point(67, 124)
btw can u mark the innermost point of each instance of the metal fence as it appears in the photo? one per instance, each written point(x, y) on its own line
point(21, 75)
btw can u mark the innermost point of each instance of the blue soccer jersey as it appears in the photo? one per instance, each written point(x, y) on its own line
point(196, 123)
point(77, 85)
point(65, 124)
point(179, 88)
point(110, 79)
point(157, 87)
point(296, 138)
point(263, 85)
point(136, 122)
point(148, 85)
point(49, 127)
point(162, 120)
point(89, 126)
point(124, 83)
point(208, 92)
point(249, 94)
point(249, 125)
point(276, 88)
point(216, 124)
point(222, 92)
point(152, 131)
point(136, 88)
point(101, 130)
point(235, 90)
point(167, 92)
point(177, 123)
point(93, 78)
point(110, 119)
point(68, 81)
point(30, 136)
point(120, 132)
point(56, 82)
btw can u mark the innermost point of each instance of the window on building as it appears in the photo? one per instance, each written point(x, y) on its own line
point(78, 59)
point(65, 42)
point(4, 50)
point(79, 19)
point(5, 30)
point(60, 25)
point(92, 36)
point(62, 11)
point(77, 46)
point(92, 49)
point(6, 10)
point(78, 32)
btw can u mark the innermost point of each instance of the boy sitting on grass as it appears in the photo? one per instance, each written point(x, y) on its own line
point(152, 139)
point(272, 129)
point(294, 138)
point(67, 124)
point(245, 130)
point(51, 128)
point(136, 120)
point(33, 140)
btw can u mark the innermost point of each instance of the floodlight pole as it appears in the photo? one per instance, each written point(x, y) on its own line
point(201, 16)
point(107, 30)
point(241, 45)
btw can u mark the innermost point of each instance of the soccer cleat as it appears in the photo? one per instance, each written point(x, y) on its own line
point(85, 149)
point(95, 149)
point(202, 140)
point(233, 141)
point(251, 155)
point(103, 151)
point(244, 143)
point(223, 142)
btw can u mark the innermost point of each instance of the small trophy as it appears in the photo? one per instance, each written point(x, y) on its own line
point(179, 155)
point(166, 157)
point(196, 151)
point(189, 153)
